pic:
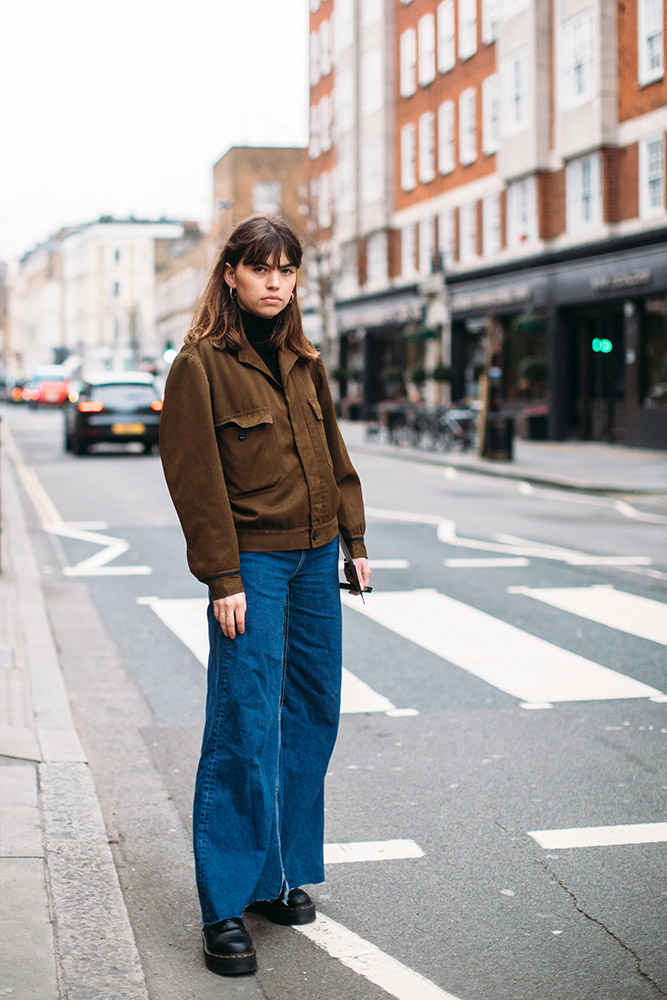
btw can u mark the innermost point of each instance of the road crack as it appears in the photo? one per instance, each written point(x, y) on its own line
point(626, 947)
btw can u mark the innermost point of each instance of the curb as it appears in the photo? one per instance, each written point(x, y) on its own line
point(91, 943)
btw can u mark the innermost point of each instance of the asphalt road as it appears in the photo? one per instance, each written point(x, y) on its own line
point(513, 661)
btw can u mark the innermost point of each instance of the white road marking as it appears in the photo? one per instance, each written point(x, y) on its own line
point(187, 620)
point(368, 961)
point(371, 850)
point(489, 563)
point(629, 613)
point(601, 836)
point(522, 665)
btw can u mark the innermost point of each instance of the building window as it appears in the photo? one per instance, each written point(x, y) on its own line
point(408, 155)
point(467, 28)
point(325, 48)
point(116, 256)
point(491, 13)
point(446, 39)
point(408, 250)
point(446, 152)
point(576, 60)
point(344, 101)
point(446, 237)
point(376, 259)
point(314, 58)
point(426, 37)
point(468, 126)
point(491, 114)
point(652, 177)
point(343, 33)
point(408, 62)
point(427, 147)
point(324, 201)
point(116, 289)
point(516, 92)
point(583, 187)
point(649, 40)
point(266, 197)
point(521, 212)
point(468, 220)
point(314, 144)
point(426, 245)
point(491, 225)
point(371, 81)
point(314, 5)
point(372, 171)
point(325, 124)
point(345, 183)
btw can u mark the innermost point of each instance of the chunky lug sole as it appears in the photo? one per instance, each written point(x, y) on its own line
point(230, 965)
point(288, 916)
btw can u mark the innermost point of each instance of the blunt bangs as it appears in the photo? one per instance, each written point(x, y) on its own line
point(269, 244)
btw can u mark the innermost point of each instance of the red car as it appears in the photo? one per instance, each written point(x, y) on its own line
point(49, 386)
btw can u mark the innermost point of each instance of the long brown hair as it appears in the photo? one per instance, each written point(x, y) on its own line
point(260, 239)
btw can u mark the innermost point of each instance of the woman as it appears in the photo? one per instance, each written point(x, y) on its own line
point(262, 483)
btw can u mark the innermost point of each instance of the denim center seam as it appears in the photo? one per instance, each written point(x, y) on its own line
point(284, 888)
point(209, 781)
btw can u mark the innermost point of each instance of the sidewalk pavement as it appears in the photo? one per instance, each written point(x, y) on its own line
point(588, 466)
point(64, 929)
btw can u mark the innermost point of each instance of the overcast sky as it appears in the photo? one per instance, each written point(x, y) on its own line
point(119, 108)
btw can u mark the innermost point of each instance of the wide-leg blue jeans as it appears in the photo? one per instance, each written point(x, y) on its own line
point(272, 709)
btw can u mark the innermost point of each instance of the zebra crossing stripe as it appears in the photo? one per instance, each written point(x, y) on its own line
point(601, 836)
point(638, 616)
point(514, 661)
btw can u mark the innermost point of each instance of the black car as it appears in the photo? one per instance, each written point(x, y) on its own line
point(118, 407)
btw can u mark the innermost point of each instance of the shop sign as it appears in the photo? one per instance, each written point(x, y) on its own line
point(614, 282)
point(492, 298)
point(383, 312)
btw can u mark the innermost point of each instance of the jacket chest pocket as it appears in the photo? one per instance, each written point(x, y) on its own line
point(249, 452)
point(314, 404)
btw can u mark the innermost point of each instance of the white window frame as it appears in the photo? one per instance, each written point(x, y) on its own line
point(516, 92)
point(325, 48)
point(446, 138)
point(427, 147)
point(468, 233)
point(468, 126)
point(409, 250)
point(344, 102)
point(583, 193)
point(491, 114)
point(345, 200)
point(426, 49)
point(343, 27)
point(372, 157)
point(446, 36)
point(650, 43)
point(408, 157)
point(370, 12)
point(491, 225)
point(467, 27)
point(314, 139)
point(491, 17)
point(522, 212)
point(576, 55)
point(267, 197)
point(377, 271)
point(325, 123)
point(324, 218)
point(652, 172)
point(408, 54)
point(447, 237)
point(314, 57)
point(426, 245)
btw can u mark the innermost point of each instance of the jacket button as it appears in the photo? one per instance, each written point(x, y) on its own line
point(314, 536)
point(242, 435)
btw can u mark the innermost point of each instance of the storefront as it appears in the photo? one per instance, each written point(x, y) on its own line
point(582, 332)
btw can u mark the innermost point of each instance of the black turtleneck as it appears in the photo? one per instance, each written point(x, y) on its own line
point(258, 330)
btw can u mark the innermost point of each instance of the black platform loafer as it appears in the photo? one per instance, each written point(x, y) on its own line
point(228, 948)
point(299, 908)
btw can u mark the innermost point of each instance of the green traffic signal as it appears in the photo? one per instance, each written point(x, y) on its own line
point(601, 345)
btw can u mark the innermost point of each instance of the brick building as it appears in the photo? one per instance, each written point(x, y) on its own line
point(523, 181)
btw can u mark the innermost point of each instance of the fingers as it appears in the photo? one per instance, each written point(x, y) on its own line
point(230, 612)
point(363, 572)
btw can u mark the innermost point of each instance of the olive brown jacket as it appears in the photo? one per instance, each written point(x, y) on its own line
point(253, 465)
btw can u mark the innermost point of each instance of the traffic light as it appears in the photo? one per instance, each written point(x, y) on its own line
point(601, 345)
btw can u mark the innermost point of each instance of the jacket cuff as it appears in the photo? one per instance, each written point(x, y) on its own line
point(225, 586)
point(357, 548)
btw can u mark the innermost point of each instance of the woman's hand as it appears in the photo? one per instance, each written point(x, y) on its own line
point(363, 571)
point(230, 612)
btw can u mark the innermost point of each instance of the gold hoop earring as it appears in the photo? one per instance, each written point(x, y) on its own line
point(291, 299)
point(232, 292)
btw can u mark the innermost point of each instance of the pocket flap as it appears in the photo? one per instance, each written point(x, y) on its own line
point(316, 408)
point(249, 418)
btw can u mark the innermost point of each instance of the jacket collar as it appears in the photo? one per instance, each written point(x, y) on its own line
point(247, 355)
